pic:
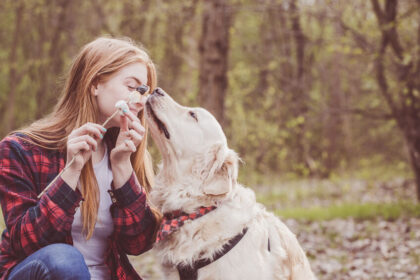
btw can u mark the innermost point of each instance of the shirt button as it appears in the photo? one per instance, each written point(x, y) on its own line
point(114, 200)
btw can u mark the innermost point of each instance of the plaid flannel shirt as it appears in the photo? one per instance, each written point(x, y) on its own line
point(32, 223)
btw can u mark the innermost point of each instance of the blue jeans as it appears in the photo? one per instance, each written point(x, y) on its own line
point(56, 261)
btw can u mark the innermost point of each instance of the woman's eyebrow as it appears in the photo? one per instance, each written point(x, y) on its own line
point(134, 78)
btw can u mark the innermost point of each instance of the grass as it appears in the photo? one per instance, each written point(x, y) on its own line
point(389, 211)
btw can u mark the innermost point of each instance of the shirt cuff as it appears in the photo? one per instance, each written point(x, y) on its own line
point(128, 193)
point(64, 196)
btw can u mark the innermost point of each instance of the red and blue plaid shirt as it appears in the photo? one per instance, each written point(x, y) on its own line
point(32, 223)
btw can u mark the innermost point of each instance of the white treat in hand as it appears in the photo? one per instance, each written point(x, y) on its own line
point(122, 106)
point(134, 97)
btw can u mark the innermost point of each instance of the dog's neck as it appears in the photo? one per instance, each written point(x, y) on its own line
point(174, 220)
point(170, 196)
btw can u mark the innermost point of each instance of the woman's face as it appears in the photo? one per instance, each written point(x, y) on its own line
point(118, 87)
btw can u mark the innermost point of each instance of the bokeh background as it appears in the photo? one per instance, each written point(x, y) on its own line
point(320, 98)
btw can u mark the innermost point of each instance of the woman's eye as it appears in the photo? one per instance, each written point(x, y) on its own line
point(132, 88)
point(194, 115)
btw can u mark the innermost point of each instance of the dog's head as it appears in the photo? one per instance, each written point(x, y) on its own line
point(193, 146)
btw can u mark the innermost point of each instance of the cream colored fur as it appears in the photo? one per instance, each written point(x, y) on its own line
point(198, 169)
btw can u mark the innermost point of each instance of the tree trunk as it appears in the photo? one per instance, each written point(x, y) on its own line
point(44, 97)
point(134, 22)
point(172, 63)
point(414, 151)
point(213, 50)
point(299, 97)
point(404, 105)
point(14, 79)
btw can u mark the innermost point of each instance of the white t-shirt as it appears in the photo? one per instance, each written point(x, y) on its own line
point(94, 249)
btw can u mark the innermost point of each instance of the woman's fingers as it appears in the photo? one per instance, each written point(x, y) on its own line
point(124, 123)
point(90, 128)
point(132, 118)
point(81, 142)
point(138, 128)
point(135, 124)
point(85, 138)
point(125, 148)
point(80, 146)
point(135, 136)
point(130, 146)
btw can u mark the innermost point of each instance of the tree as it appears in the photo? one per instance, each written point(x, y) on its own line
point(213, 49)
point(14, 76)
point(404, 99)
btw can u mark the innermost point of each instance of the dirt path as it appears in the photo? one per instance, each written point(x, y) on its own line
point(346, 249)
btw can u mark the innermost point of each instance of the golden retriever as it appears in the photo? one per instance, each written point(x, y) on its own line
point(199, 170)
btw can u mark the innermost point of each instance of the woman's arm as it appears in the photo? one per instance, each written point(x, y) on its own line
point(32, 223)
point(134, 222)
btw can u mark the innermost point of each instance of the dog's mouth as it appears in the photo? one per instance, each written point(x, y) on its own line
point(161, 126)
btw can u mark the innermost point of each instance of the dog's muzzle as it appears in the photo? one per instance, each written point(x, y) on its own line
point(157, 93)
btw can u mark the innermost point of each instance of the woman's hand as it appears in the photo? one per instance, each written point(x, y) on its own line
point(80, 144)
point(130, 136)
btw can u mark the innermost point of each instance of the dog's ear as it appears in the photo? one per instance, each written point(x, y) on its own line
point(222, 171)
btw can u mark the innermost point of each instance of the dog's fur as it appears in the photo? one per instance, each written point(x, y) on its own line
point(198, 169)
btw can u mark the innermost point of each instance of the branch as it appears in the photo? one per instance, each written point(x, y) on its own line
point(391, 14)
point(378, 12)
point(387, 23)
point(360, 39)
point(369, 114)
point(380, 71)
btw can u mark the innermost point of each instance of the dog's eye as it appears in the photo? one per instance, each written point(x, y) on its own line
point(194, 115)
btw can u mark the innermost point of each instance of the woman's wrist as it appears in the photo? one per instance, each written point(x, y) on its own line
point(71, 177)
point(121, 172)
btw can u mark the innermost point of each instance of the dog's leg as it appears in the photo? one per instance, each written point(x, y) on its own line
point(293, 256)
point(170, 273)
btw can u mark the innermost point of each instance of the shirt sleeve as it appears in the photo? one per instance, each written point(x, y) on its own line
point(32, 223)
point(134, 222)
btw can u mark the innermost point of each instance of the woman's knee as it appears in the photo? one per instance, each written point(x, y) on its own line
point(65, 262)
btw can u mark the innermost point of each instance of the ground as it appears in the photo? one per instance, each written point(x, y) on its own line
point(351, 229)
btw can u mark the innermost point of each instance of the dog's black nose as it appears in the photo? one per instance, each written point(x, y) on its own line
point(142, 89)
point(159, 91)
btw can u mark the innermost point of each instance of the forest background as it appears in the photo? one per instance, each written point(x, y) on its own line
point(320, 98)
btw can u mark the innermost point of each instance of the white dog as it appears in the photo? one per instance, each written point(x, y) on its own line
point(214, 228)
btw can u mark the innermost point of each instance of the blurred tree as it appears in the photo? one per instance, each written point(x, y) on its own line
point(301, 87)
point(214, 48)
point(175, 48)
point(14, 76)
point(403, 99)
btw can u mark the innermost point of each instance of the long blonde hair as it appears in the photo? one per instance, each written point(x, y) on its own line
point(96, 62)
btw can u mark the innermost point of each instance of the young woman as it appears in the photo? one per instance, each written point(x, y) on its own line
point(51, 237)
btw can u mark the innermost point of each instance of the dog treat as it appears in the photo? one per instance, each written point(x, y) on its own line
point(122, 106)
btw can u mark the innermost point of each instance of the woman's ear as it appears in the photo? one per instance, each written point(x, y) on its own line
point(94, 87)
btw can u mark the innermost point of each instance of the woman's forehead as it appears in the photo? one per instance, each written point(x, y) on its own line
point(135, 71)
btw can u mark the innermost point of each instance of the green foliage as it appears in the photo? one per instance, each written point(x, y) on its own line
point(279, 124)
point(390, 211)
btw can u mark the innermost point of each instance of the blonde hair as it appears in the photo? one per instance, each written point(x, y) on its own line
point(96, 62)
